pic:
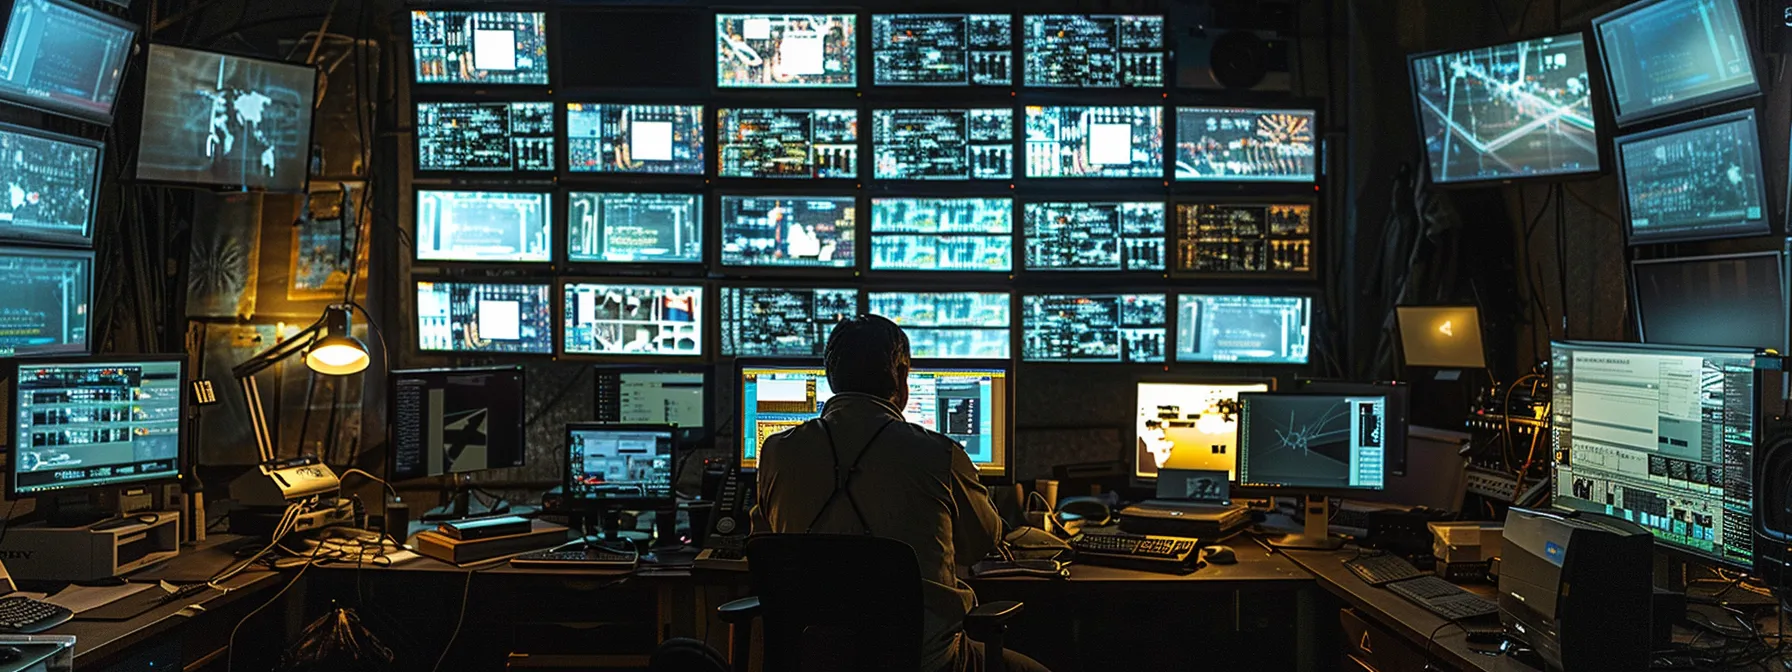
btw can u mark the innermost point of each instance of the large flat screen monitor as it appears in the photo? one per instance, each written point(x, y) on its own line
point(45, 308)
point(1312, 443)
point(228, 121)
point(53, 186)
point(1188, 423)
point(1732, 300)
point(1104, 142)
point(630, 320)
point(495, 226)
point(787, 51)
point(479, 48)
point(485, 137)
point(782, 321)
point(95, 422)
point(1113, 236)
point(949, 325)
point(1243, 329)
point(1661, 436)
point(1665, 56)
point(654, 395)
point(943, 144)
point(610, 467)
point(641, 139)
point(1093, 51)
point(942, 234)
point(489, 317)
point(942, 49)
point(454, 421)
point(634, 228)
point(1700, 179)
point(1224, 144)
point(65, 58)
point(1094, 328)
point(787, 143)
point(1244, 238)
point(1514, 110)
point(791, 232)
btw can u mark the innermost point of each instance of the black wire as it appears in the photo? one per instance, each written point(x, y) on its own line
point(466, 595)
point(230, 643)
point(1433, 637)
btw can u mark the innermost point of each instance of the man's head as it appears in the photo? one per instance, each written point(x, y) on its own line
point(868, 354)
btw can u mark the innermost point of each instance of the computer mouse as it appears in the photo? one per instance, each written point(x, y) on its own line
point(1219, 555)
point(11, 654)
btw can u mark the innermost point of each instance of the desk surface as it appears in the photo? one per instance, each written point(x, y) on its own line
point(1256, 568)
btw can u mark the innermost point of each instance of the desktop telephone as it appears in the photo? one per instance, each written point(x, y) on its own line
point(730, 522)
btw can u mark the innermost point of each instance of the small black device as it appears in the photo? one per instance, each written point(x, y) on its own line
point(24, 615)
point(484, 528)
point(1577, 588)
point(1377, 569)
point(726, 545)
point(1444, 598)
point(1170, 555)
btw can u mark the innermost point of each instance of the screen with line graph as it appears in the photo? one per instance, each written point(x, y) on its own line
point(1515, 110)
point(1312, 441)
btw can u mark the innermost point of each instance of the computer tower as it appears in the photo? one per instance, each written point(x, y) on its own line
point(1576, 588)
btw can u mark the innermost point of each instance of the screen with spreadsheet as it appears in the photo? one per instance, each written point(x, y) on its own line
point(782, 321)
point(494, 317)
point(1106, 142)
point(648, 139)
point(942, 234)
point(1094, 236)
point(483, 48)
point(949, 325)
point(485, 137)
point(96, 423)
point(942, 49)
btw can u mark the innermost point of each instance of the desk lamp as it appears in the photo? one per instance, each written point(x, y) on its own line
point(329, 349)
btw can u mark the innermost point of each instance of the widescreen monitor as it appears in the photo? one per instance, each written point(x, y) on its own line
point(485, 317)
point(228, 121)
point(1093, 51)
point(479, 48)
point(969, 404)
point(943, 144)
point(485, 137)
point(95, 422)
point(949, 325)
point(1312, 443)
point(455, 421)
point(1661, 436)
point(942, 234)
point(1700, 179)
point(787, 51)
point(610, 467)
point(1441, 336)
point(942, 49)
point(639, 139)
point(52, 182)
point(1684, 300)
point(1106, 142)
point(1222, 144)
point(794, 232)
point(1666, 56)
point(629, 320)
point(1514, 110)
point(1094, 236)
point(1244, 238)
point(1188, 424)
point(492, 226)
point(45, 308)
point(1243, 329)
point(1109, 328)
point(634, 228)
point(61, 57)
point(782, 321)
point(654, 395)
point(787, 143)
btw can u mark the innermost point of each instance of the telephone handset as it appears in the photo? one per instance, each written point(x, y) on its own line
point(730, 522)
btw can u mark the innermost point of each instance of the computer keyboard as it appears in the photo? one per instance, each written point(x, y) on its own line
point(591, 557)
point(1382, 568)
point(1443, 598)
point(25, 616)
point(1136, 551)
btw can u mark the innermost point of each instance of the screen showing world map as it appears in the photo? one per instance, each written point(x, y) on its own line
point(225, 120)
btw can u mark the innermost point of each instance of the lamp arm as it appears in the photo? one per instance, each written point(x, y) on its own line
point(245, 377)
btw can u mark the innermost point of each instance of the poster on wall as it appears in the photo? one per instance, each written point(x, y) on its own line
point(324, 242)
point(225, 256)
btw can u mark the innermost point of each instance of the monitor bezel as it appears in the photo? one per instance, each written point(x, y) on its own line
point(1014, 65)
point(1765, 226)
point(1131, 431)
point(563, 135)
point(1313, 112)
point(72, 111)
point(392, 427)
point(419, 261)
point(1283, 490)
point(705, 313)
point(861, 232)
point(1173, 229)
point(1020, 335)
point(563, 198)
point(1400, 333)
point(1078, 277)
point(311, 147)
point(859, 50)
point(417, 341)
point(1782, 256)
point(550, 36)
point(646, 503)
point(1314, 304)
point(952, 275)
point(722, 289)
point(1658, 112)
point(13, 234)
point(513, 176)
point(9, 371)
point(61, 349)
point(1017, 131)
point(1165, 50)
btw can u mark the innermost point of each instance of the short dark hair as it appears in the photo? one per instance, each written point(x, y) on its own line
point(866, 354)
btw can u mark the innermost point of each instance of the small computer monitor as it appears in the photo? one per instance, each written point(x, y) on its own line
point(1662, 436)
point(54, 185)
point(479, 48)
point(44, 309)
point(1399, 411)
point(949, 325)
point(1700, 179)
point(1243, 329)
point(633, 320)
point(943, 144)
point(1195, 486)
point(789, 232)
point(61, 57)
point(1514, 110)
point(639, 139)
point(787, 51)
point(634, 228)
point(655, 395)
point(1252, 239)
point(95, 422)
point(485, 137)
point(227, 121)
point(1095, 142)
point(1666, 56)
point(942, 49)
point(488, 317)
point(454, 421)
point(483, 226)
point(1678, 300)
point(1447, 337)
point(1109, 328)
point(1188, 423)
point(1229, 144)
point(1093, 50)
point(1113, 236)
point(942, 234)
point(1312, 443)
point(787, 143)
point(782, 321)
point(611, 467)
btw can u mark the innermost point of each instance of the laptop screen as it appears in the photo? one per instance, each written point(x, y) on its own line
point(1198, 486)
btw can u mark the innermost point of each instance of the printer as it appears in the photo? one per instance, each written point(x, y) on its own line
point(1576, 588)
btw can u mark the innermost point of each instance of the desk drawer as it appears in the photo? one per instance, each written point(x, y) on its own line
point(1376, 649)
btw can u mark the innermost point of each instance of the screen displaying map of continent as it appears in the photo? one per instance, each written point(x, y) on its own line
point(217, 119)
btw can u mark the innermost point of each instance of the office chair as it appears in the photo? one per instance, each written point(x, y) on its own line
point(843, 602)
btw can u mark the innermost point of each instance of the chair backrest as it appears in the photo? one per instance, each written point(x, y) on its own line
point(837, 602)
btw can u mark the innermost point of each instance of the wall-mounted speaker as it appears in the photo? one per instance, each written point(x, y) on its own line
point(1236, 45)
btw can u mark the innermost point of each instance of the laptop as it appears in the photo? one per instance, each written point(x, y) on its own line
point(1189, 503)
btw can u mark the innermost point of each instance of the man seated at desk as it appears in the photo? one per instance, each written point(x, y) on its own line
point(904, 482)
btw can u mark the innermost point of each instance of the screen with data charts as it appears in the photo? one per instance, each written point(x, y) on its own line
point(1245, 145)
point(782, 321)
point(1094, 51)
point(789, 231)
point(787, 50)
point(787, 143)
point(53, 181)
point(489, 137)
point(485, 317)
point(479, 48)
point(634, 228)
point(1700, 179)
point(1094, 328)
point(942, 49)
point(645, 139)
point(1109, 236)
point(943, 144)
point(949, 325)
point(1103, 142)
point(1244, 238)
point(65, 58)
point(942, 234)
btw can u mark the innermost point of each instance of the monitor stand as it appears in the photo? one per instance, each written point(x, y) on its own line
point(94, 511)
point(1316, 533)
point(461, 505)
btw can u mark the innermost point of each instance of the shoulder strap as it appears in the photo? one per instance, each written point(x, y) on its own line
point(843, 478)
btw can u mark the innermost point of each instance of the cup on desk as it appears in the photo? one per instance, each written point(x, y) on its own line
point(1047, 488)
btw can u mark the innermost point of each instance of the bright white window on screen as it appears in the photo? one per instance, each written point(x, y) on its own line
point(783, 390)
point(500, 320)
point(651, 141)
point(801, 53)
point(587, 307)
point(494, 49)
point(1110, 144)
point(758, 29)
